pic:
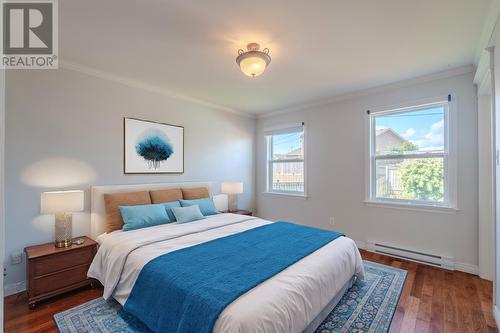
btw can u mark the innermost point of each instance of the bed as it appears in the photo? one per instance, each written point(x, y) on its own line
point(296, 299)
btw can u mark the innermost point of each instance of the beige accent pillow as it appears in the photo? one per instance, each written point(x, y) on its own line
point(167, 195)
point(114, 220)
point(195, 193)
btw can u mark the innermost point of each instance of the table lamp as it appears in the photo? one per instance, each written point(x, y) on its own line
point(62, 204)
point(232, 190)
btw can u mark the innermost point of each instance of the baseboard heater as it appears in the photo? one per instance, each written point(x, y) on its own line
point(417, 256)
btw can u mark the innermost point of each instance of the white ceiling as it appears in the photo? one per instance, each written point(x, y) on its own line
point(319, 48)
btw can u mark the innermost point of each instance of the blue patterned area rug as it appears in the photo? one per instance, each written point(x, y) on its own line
point(368, 306)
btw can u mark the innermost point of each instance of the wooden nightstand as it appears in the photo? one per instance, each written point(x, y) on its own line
point(241, 212)
point(52, 271)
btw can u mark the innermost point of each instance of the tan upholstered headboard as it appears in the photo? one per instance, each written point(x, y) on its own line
point(98, 210)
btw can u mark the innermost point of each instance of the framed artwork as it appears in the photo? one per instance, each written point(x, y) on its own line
point(151, 147)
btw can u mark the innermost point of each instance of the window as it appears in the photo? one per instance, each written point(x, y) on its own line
point(285, 157)
point(410, 156)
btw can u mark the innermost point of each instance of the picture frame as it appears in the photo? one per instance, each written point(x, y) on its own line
point(151, 147)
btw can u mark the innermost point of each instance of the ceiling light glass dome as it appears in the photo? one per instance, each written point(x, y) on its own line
point(253, 62)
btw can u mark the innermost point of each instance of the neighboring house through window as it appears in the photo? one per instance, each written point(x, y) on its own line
point(286, 160)
point(410, 157)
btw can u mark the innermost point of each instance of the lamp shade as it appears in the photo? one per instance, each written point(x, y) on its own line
point(61, 202)
point(253, 66)
point(253, 62)
point(232, 188)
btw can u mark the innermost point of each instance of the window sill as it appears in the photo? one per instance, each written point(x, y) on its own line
point(287, 195)
point(408, 206)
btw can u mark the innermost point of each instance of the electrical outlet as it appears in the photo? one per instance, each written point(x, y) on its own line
point(16, 258)
point(332, 221)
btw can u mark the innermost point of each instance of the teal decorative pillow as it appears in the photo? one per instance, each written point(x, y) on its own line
point(142, 216)
point(168, 207)
point(187, 214)
point(207, 206)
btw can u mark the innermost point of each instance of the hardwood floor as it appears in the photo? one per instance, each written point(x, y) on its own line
point(433, 300)
point(438, 300)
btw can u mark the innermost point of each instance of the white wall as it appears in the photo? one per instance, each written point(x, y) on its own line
point(496, 90)
point(489, 69)
point(486, 187)
point(2, 216)
point(65, 131)
point(336, 174)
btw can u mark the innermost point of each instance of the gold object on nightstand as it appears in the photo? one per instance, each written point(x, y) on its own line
point(63, 229)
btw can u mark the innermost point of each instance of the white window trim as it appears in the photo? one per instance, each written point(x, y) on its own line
point(450, 185)
point(290, 194)
point(286, 195)
point(411, 206)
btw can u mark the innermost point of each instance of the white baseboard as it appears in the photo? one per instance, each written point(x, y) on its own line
point(14, 288)
point(459, 266)
point(467, 268)
point(360, 244)
point(496, 315)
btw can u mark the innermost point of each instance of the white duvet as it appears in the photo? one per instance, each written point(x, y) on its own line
point(287, 302)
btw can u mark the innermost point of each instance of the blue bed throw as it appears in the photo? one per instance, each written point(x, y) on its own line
point(186, 290)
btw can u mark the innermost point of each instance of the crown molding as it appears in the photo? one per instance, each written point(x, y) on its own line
point(316, 103)
point(482, 77)
point(488, 30)
point(148, 87)
point(369, 91)
point(483, 65)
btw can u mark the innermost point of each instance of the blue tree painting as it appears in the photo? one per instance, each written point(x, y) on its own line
point(154, 147)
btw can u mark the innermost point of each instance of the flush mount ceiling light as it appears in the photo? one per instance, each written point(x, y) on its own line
point(253, 62)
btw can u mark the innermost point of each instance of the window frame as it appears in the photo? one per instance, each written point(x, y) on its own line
point(269, 160)
point(449, 156)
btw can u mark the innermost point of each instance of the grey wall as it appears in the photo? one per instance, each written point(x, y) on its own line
point(336, 175)
point(496, 85)
point(2, 210)
point(65, 131)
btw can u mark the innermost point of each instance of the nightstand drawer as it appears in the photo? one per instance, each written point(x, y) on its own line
point(59, 280)
point(57, 262)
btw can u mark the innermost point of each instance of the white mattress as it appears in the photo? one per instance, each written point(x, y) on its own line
point(287, 302)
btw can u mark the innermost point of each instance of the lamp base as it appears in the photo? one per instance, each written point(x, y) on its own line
point(232, 202)
point(63, 229)
point(63, 243)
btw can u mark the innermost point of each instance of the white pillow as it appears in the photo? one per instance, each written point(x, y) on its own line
point(187, 214)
